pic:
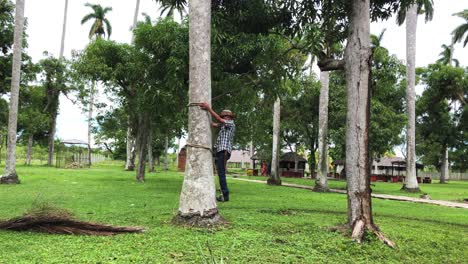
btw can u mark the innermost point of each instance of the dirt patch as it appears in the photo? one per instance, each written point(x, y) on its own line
point(59, 221)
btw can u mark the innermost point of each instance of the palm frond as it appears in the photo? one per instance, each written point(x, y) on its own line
point(87, 18)
point(108, 27)
point(459, 32)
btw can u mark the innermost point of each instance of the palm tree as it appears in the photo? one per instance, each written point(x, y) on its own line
point(321, 184)
point(274, 178)
point(54, 119)
point(97, 30)
point(409, 12)
point(461, 30)
point(197, 204)
point(170, 6)
point(446, 56)
point(10, 176)
point(100, 21)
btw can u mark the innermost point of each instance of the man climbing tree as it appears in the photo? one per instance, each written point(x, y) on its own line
point(223, 145)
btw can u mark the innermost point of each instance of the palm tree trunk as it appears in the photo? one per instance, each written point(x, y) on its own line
point(150, 151)
point(321, 184)
point(135, 18)
point(274, 178)
point(53, 123)
point(29, 153)
point(166, 147)
point(90, 117)
point(130, 160)
point(411, 183)
point(444, 170)
point(197, 200)
point(64, 28)
point(141, 146)
point(10, 176)
point(251, 154)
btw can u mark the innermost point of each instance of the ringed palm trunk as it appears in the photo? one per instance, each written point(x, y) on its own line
point(29, 153)
point(444, 170)
point(321, 184)
point(90, 117)
point(411, 183)
point(166, 148)
point(130, 160)
point(9, 175)
point(197, 204)
point(150, 151)
point(274, 178)
point(64, 29)
point(357, 66)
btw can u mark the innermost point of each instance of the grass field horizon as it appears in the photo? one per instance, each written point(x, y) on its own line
point(267, 223)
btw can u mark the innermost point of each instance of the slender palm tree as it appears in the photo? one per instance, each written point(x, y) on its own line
point(97, 30)
point(170, 6)
point(409, 12)
point(321, 184)
point(10, 176)
point(274, 178)
point(446, 56)
point(101, 24)
point(54, 119)
point(197, 204)
point(461, 30)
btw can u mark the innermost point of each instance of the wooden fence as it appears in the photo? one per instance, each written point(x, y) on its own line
point(456, 176)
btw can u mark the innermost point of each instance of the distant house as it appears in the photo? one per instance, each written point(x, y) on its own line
point(239, 159)
point(383, 169)
point(287, 164)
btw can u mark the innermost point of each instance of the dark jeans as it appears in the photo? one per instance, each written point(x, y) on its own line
point(221, 159)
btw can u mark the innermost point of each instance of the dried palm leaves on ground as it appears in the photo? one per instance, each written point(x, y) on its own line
point(58, 221)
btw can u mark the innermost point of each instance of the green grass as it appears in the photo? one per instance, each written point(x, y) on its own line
point(268, 224)
point(452, 191)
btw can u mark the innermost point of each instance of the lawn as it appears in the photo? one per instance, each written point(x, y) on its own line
point(267, 224)
point(452, 191)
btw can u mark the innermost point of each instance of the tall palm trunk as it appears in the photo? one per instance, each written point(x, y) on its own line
point(321, 184)
point(150, 151)
point(9, 175)
point(197, 200)
point(130, 160)
point(411, 183)
point(251, 154)
point(166, 149)
point(90, 118)
point(29, 153)
point(274, 178)
point(64, 28)
point(141, 145)
point(444, 170)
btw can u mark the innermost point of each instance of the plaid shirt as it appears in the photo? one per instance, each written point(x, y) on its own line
point(225, 136)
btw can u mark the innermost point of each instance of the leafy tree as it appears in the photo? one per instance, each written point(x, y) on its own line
point(54, 80)
point(440, 125)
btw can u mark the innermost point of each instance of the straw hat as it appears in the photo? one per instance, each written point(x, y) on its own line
point(227, 113)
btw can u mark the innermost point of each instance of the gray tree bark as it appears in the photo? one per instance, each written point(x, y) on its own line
point(9, 175)
point(90, 118)
point(141, 146)
point(274, 178)
point(29, 152)
point(130, 160)
point(197, 199)
point(411, 183)
point(64, 29)
point(321, 184)
point(51, 147)
point(150, 151)
point(251, 154)
point(444, 171)
point(166, 149)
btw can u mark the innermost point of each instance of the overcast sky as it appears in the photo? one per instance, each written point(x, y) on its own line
point(45, 18)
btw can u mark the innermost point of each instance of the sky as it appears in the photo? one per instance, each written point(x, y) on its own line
point(45, 19)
